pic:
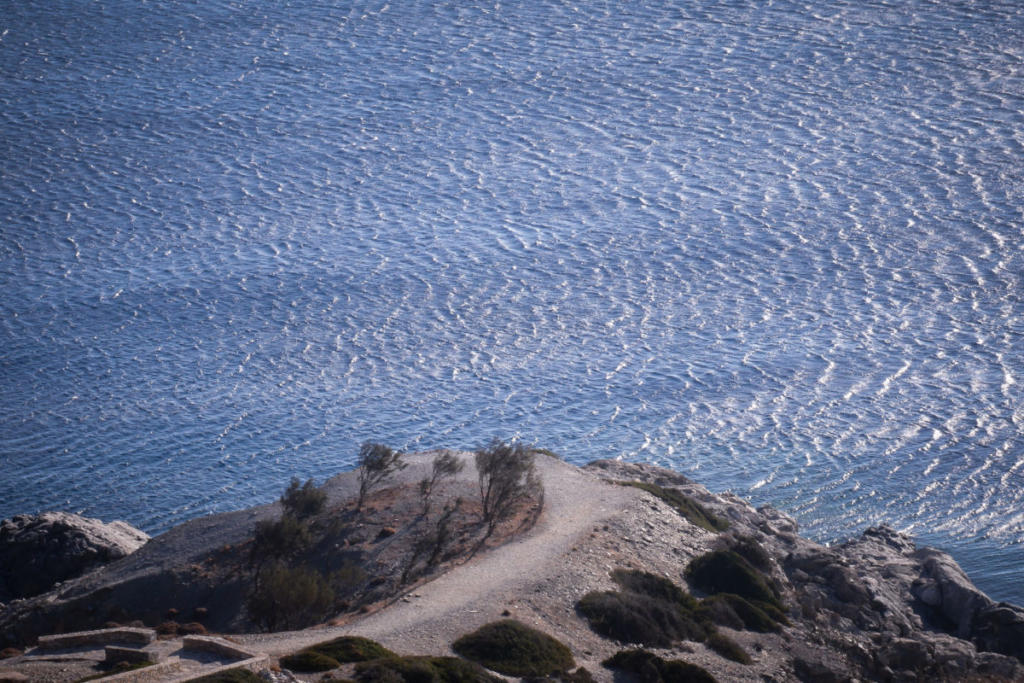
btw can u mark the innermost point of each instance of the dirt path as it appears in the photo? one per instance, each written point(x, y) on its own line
point(468, 596)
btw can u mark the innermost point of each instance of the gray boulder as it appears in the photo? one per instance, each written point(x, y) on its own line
point(39, 551)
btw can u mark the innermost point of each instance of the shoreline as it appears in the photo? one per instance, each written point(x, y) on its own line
point(879, 592)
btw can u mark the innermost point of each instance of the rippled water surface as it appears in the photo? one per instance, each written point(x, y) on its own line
point(774, 245)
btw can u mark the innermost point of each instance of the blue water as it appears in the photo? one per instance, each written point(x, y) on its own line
point(774, 245)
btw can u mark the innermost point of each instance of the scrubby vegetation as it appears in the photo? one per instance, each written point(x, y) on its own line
point(508, 477)
point(515, 649)
point(444, 466)
point(352, 649)
point(647, 667)
point(309, 661)
point(279, 539)
point(725, 571)
point(749, 549)
point(303, 501)
point(376, 462)
point(658, 587)
point(728, 609)
point(423, 670)
point(289, 597)
point(652, 610)
point(727, 647)
point(649, 609)
point(690, 509)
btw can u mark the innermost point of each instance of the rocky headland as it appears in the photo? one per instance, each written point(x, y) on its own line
point(638, 571)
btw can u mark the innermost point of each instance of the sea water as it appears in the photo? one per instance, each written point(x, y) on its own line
point(773, 244)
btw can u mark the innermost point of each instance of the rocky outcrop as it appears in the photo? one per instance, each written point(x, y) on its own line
point(876, 607)
point(38, 551)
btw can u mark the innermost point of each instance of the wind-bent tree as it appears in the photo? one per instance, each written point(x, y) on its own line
point(507, 477)
point(445, 465)
point(376, 463)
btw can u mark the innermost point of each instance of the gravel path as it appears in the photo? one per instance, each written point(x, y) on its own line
point(436, 613)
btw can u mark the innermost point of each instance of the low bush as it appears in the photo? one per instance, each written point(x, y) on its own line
point(515, 649)
point(724, 571)
point(167, 628)
point(192, 628)
point(652, 585)
point(751, 551)
point(309, 661)
point(729, 609)
point(690, 509)
point(637, 618)
point(303, 501)
point(727, 647)
point(352, 649)
point(647, 667)
point(9, 652)
point(423, 670)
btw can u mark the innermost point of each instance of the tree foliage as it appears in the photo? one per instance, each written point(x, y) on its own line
point(288, 597)
point(280, 539)
point(303, 501)
point(445, 466)
point(376, 462)
point(507, 477)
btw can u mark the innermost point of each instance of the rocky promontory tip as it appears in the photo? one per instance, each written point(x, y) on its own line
point(39, 551)
point(637, 572)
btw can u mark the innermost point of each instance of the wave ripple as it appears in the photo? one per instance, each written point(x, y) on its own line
point(774, 245)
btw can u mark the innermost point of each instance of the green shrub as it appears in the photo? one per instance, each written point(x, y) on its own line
point(278, 539)
point(652, 585)
point(772, 610)
point(729, 609)
point(423, 670)
point(306, 661)
point(647, 667)
point(752, 551)
point(289, 598)
point(352, 649)
point(724, 571)
point(690, 509)
point(230, 676)
point(727, 647)
point(515, 649)
point(303, 501)
point(638, 618)
point(717, 610)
